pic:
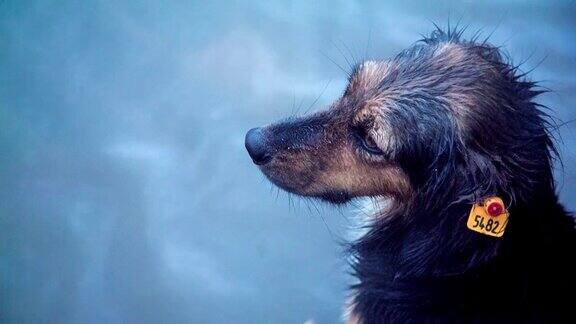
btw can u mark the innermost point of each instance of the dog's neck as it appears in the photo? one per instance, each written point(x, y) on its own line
point(418, 257)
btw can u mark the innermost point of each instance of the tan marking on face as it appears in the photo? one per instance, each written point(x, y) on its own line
point(348, 172)
point(368, 111)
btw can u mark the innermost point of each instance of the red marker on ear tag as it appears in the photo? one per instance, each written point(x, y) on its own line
point(494, 209)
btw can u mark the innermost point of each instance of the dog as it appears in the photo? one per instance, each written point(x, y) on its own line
point(448, 133)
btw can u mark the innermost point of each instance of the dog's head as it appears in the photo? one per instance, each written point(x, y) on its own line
point(443, 112)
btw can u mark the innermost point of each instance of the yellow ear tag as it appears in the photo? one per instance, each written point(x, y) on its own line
point(488, 217)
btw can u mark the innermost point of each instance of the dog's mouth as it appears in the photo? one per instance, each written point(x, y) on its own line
point(289, 178)
point(304, 184)
point(301, 179)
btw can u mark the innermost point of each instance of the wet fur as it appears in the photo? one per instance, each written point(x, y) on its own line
point(455, 122)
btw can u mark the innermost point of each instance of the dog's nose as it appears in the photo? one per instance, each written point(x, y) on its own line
point(255, 146)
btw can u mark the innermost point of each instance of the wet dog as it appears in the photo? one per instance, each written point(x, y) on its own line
point(435, 131)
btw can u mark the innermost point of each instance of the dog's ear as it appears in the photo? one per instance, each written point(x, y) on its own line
point(484, 177)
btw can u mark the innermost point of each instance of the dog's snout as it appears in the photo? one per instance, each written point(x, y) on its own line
point(256, 146)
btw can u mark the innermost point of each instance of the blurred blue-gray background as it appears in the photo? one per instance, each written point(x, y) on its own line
point(125, 192)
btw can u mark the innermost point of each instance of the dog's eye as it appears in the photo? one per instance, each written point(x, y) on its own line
point(369, 145)
point(367, 142)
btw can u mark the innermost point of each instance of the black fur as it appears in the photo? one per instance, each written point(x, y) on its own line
point(419, 263)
